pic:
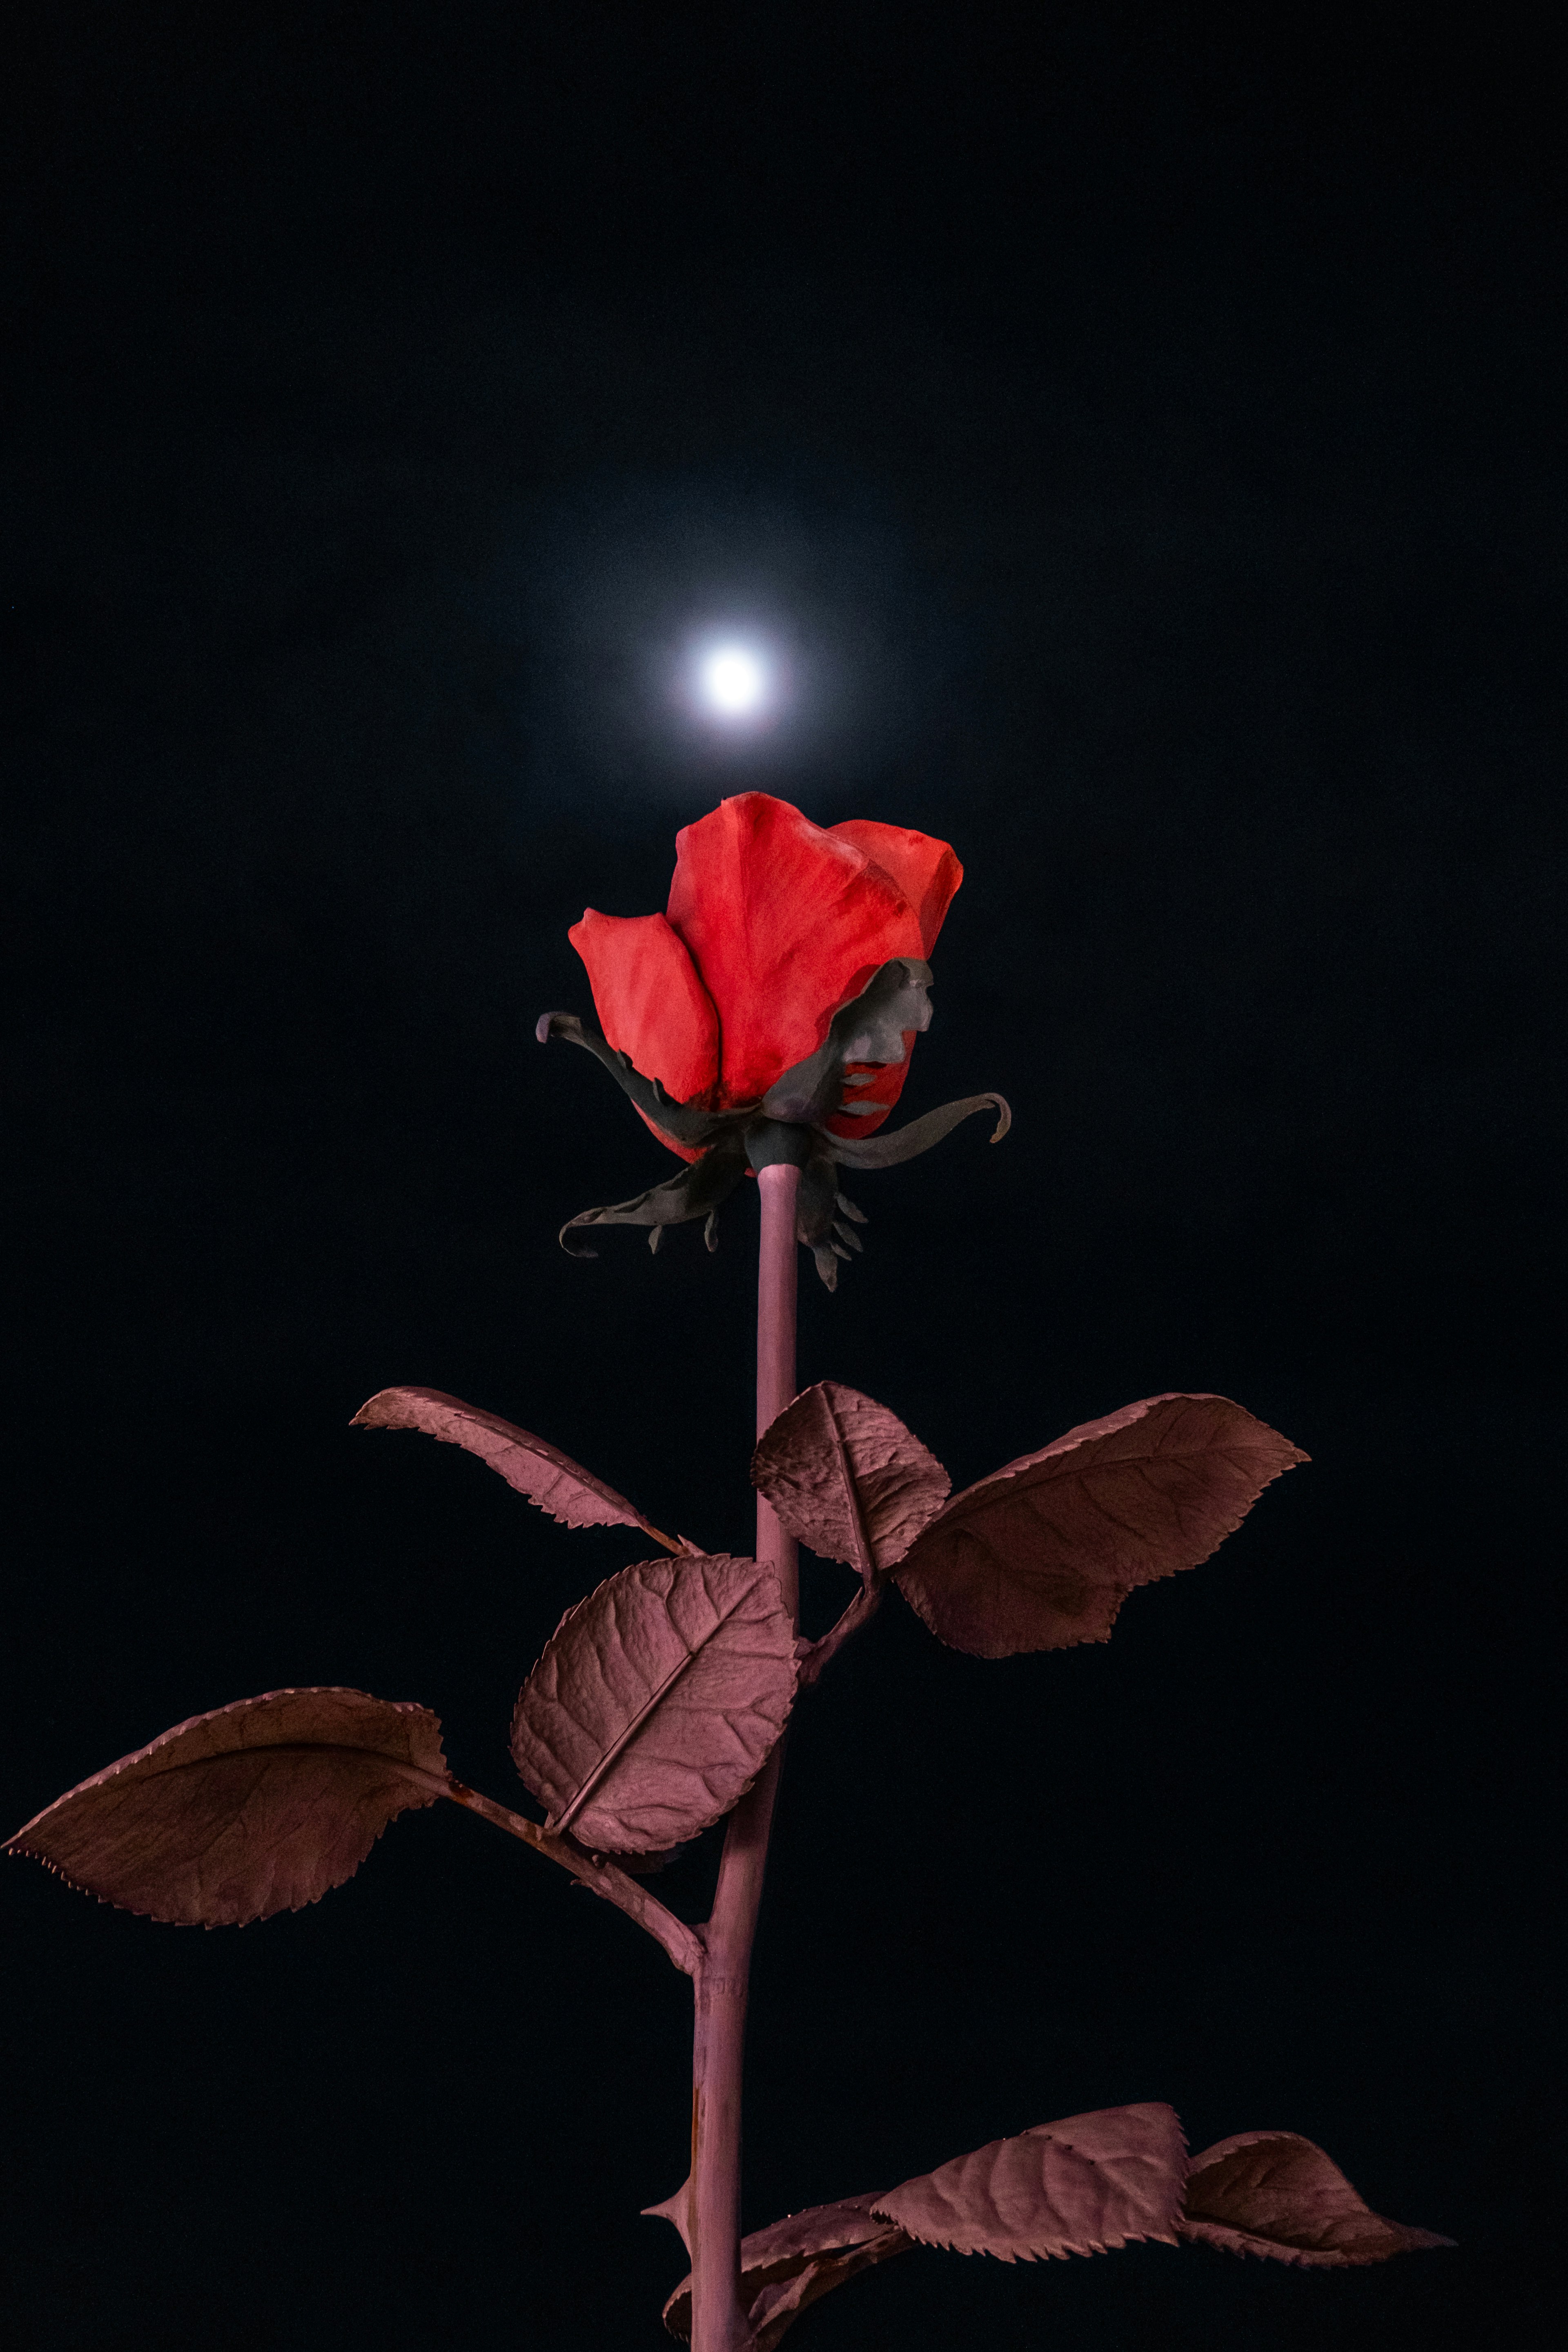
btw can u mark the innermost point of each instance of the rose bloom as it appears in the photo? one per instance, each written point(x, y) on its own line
point(774, 924)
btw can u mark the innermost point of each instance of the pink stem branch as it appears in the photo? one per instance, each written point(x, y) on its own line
point(719, 2324)
point(602, 1877)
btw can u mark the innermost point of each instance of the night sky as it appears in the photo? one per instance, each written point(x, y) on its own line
point(1144, 431)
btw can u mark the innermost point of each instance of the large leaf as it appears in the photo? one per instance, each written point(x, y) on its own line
point(786, 2268)
point(541, 1471)
point(1274, 2194)
point(1079, 2187)
point(257, 1808)
point(657, 1701)
point(846, 1478)
point(1043, 1553)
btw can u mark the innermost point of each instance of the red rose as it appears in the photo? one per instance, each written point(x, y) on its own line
point(768, 1017)
point(773, 924)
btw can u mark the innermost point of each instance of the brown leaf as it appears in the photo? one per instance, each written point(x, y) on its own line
point(793, 2264)
point(1079, 2187)
point(1043, 1553)
point(257, 1808)
point(846, 1478)
point(542, 1471)
point(1275, 2193)
point(657, 1702)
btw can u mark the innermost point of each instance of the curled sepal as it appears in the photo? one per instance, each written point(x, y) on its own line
point(1043, 1553)
point(687, 1122)
point(846, 1478)
point(1276, 2194)
point(886, 1150)
point(1080, 2187)
point(530, 1465)
point(786, 2268)
point(657, 1702)
point(824, 1221)
point(698, 1191)
point(258, 1807)
point(871, 1028)
point(816, 1205)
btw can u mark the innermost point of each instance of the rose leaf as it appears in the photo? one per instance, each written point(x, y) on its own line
point(257, 1808)
point(1079, 2187)
point(1043, 1553)
point(1274, 2194)
point(657, 1701)
point(846, 1478)
point(533, 1467)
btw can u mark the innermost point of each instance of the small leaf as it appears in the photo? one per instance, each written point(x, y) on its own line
point(1079, 2187)
point(258, 1807)
point(1043, 1553)
point(1274, 2194)
point(657, 1701)
point(846, 1478)
point(786, 2268)
point(542, 1471)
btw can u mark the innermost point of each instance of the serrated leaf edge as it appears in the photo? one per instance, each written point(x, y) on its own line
point(17, 1844)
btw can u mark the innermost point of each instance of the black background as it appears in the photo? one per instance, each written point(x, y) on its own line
point(1147, 427)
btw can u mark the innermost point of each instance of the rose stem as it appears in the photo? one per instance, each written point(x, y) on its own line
point(717, 2321)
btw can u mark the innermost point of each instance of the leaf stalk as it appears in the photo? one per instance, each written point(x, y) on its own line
point(596, 1872)
point(815, 1656)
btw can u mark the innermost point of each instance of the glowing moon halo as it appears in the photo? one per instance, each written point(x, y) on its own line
point(733, 682)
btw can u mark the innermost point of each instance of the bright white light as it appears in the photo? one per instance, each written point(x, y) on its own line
point(733, 682)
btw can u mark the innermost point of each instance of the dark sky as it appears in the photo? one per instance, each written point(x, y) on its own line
point(1146, 427)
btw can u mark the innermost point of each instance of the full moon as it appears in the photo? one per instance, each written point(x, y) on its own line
point(733, 682)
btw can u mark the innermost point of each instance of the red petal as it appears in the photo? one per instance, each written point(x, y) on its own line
point(925, 869)
point(786, 923)
point(650, 1002)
